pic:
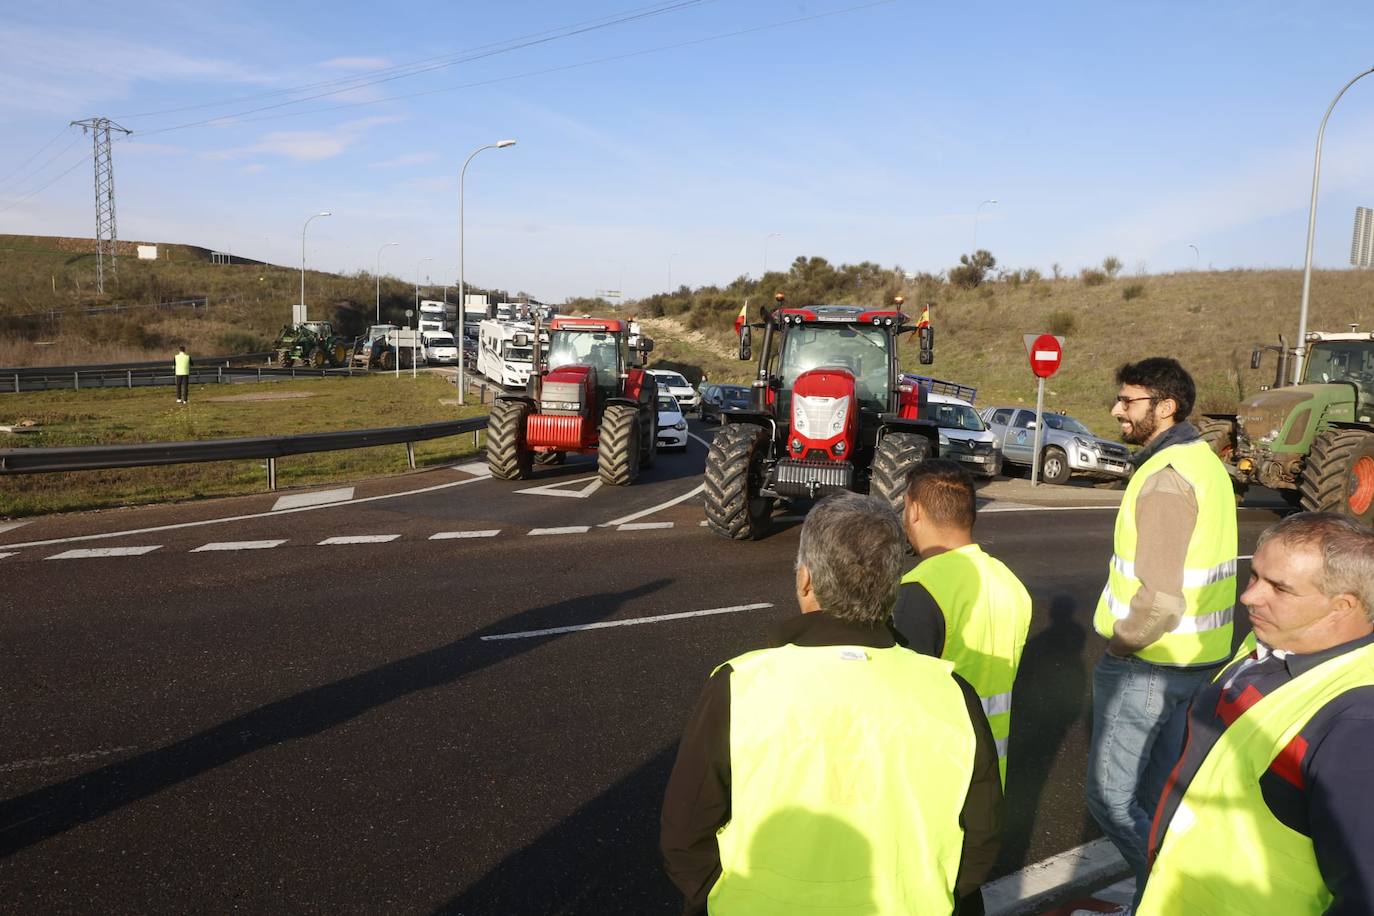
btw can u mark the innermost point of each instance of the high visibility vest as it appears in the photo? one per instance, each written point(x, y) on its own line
point(1222, 814)
point(183, 363)
point(1203, 635)
point(849, 767)
point(987, 614)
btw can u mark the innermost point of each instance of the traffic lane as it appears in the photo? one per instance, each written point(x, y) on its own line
point(312, 737)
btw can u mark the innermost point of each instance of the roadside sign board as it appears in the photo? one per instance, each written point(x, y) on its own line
point(1046, 351)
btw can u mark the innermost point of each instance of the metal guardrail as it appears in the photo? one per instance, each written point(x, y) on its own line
point(20, 380)
point(99, 457)
point(143, 364)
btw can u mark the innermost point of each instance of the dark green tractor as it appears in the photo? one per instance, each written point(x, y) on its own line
point(312, 343)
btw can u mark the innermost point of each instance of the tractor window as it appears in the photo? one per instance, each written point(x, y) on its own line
point(862, 350)
point(599, 349)
point(1342, 361)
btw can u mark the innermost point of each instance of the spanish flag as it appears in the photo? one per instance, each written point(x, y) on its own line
point(740, 318)
point(924, 321)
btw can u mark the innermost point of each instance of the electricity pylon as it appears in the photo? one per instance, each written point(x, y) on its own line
point(106, 235)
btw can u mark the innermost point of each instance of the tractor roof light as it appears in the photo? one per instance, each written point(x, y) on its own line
point(779, 297)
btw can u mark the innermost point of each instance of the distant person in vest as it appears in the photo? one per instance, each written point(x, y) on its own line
point(959, 603)
point(183, 373)
point(1166, 608)
point(1270, 810)
point(835, 772)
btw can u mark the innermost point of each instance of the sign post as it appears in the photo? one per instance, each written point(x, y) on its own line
point(1045, 352)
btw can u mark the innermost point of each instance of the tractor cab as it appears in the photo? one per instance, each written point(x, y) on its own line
point(600, 346)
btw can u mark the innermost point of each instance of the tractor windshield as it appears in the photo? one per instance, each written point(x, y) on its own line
point(863, 350)
point(599, 349)
point(1342, 361)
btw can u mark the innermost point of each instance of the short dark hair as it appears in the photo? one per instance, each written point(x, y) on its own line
point(853, 546)
point(1165, 379)
point(1346, 549)
point(945, 490)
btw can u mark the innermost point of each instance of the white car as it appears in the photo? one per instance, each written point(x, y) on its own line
point(963, 435)
point(669, 382)
point(440, 348)
point(672, 425)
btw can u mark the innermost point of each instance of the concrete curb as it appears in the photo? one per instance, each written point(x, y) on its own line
point(1055, 880)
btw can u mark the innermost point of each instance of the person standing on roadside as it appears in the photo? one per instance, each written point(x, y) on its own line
point(1167, 606)
point(959, 603)
point(1269, 809)
point(835, 771)
point(183, 373)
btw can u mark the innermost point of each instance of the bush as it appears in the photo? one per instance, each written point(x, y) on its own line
point(1133, 291)
point(1061, 322)
point(973, 269)
point(1091, 276)
point(1111, 265)
point(232, 342)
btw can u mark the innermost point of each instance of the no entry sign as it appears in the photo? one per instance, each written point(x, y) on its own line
point(1046, 352)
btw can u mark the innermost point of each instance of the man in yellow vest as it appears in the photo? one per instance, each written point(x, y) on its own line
point(959, 603)
point(1269, 810)
point(1166, 608)
point(835, 772)
point(182, 362)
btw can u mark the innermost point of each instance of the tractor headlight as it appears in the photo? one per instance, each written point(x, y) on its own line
point(814, 416)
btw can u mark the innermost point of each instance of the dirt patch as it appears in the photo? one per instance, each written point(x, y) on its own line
point(264, 396)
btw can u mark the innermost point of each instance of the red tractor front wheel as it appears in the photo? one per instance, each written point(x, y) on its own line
point(507, 455)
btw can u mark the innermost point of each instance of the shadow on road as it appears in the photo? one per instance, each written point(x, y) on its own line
point(35, 816)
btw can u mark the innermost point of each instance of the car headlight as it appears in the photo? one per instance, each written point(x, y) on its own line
point(680, 424)
point(944, 440)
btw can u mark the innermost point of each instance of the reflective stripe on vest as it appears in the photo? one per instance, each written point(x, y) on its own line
point(987, 614)
point(825, 815)
point(1223, 810)
point(1203, 633)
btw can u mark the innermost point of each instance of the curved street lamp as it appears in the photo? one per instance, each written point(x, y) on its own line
point(1197, 256)
point(378, 275)
point(303, 228)
point(975, 221)
point(1301, 349)
point(462, 279)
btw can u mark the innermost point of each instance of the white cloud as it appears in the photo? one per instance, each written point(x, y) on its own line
point(406, 159)
point(308, 145)
point(253, 168)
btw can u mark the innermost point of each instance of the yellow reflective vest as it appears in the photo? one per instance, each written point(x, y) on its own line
point(849, 767)
point(987, 614)
point(1222, 813)
point(183, 364)
point(1203, 635)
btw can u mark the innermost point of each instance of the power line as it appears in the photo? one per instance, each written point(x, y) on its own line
point(14, 203)
point(6, 177)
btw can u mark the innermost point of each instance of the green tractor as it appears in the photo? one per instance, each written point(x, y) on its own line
point(311, 343)
point(1312, 441)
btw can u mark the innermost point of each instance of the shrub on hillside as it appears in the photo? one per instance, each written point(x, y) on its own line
point(1061, 322)
point(973, 269)
point(1091, 276)
point(1111, 265)
point(1133, 291)
point(232, 342)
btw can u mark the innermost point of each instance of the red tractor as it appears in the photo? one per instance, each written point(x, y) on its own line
point(586, 395)
point(829, 412)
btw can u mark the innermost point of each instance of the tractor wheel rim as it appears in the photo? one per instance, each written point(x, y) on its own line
point(1362, 485)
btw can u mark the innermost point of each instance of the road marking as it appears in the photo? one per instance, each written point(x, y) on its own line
point(10, 526)
point(630, 622)
point(318, 498)
point(1082, 867)
point(626, 519)
point(241, 518)
point(477, 468)
point(6, 554)
point(704, 523)
point(89, 552)
point(36, 762)
point(705, 442)
point(239, 545)
point(566, 529)
point(359, 539)
point(559, 488)
point(644, 526)
point(452, 535)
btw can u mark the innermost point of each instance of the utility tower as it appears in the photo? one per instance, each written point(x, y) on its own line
point(106, 235)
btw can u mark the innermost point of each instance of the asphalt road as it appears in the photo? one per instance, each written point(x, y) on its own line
point(330, 726)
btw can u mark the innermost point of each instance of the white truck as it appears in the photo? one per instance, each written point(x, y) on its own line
point(498, 358)
point(432, 315)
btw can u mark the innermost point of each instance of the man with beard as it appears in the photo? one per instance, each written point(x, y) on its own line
point(1166, 608)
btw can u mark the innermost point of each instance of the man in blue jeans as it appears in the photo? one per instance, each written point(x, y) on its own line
point(1167, 605)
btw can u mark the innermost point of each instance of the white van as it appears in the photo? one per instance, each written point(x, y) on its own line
point(440, 348)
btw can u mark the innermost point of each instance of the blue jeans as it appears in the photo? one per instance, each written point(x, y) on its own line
point(1139, 720)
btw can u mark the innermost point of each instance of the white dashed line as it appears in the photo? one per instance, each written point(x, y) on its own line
point(652, 509)
point(644, 526)
point(40, 762)
point(239, 545)
point(566, 529)
point(359, 539)
point(631, 622)
point(453, 535)
point(89, 552)
point(10, 526)
point(318, 498)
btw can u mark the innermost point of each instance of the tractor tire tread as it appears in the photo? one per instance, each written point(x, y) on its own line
point(897, 454)
point(727, 482)
point(506, 456)
point(1325, 476)
point(618, 445)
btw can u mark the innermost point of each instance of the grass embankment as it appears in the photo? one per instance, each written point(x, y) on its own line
point(115, 416)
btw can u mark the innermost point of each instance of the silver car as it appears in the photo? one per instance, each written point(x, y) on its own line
point(1067, 447)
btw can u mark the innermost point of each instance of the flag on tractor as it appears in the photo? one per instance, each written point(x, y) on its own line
point(740, 318)
point(924, 321)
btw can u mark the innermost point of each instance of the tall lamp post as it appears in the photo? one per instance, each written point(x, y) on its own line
point(1197, 256)
point(1301, 349)
point(975, 221)
point(303, 228)
point(462, 279)
point(768, 238)
point(379, 278)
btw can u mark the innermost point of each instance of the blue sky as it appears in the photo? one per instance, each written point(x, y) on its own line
point(682, 141)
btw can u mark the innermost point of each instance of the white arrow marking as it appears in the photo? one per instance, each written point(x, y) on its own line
point(318, 498)
point(6, 554)
point(476, 468)
point(633, 621)
point(626, 519)
point(644, 526)
point(10, 526)
point(89, 552)
point(593, 484)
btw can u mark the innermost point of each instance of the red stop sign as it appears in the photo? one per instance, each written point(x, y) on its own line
point(1045, 355)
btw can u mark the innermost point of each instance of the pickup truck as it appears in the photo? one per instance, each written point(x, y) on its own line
point(1067, 446)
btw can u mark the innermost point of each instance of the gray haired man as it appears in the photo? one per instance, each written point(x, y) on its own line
point(835, 770)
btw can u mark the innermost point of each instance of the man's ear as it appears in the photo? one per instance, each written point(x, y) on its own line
point(804, 586)
point(1346, 604)
point(911, 511)
point(1170, 411)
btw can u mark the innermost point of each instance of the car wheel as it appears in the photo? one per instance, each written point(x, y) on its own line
point(1055, 467)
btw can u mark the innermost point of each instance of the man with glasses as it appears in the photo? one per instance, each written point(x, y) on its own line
point(1166, 608)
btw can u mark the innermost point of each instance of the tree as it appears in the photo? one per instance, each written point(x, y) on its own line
point(973, 269)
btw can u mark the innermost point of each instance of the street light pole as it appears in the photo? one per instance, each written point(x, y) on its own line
point(379, 278)
point(462, 279)
point(766, 240)
point(1301, 350)
point(1197, 256)
point(303, 228)
point(975, 221)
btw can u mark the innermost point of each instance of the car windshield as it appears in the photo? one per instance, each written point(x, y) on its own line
point(954, 416)
point(1066, 423)
point(591, 348)
point(441, 341)
point(861, 350)
point(518, 354)
point(668, 403)
point(672, 379)
point(1342, 361)
point(734, 394)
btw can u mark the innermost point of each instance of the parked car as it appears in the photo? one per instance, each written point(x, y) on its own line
point(672, 425)
point(673, 383)
point(440, 348)
point(720, 399)
point(963, 435)
point(1067, 446)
